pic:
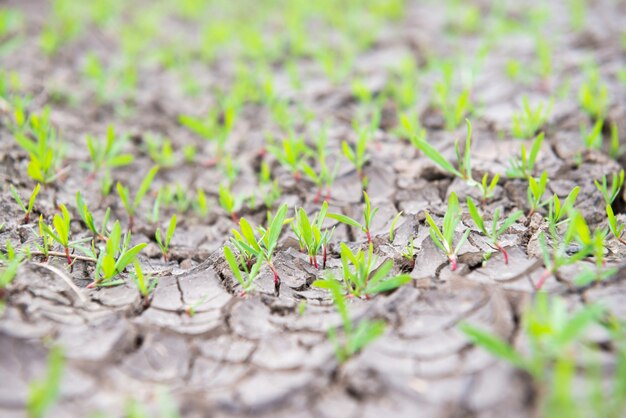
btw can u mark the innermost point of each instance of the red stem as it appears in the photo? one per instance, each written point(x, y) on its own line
point(453, 264)
point(234, 217)
point(315, 262)
point(276, 281)
point(26, 217)
point(67, 255)
point(542, 279)
point(369, 237)
point(318, 195)
point(327, 198)
point(324, 258)
point(504, 253)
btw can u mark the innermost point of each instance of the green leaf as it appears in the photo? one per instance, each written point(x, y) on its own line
point(234, 265)
point(476, 217)
point(128, 257)
point(389, 284)
point(509, 221)
point(578, 323)
point(145, 185)
point(170, 230)
point(494, 345)
point(345, 220)
point(17, 198)
point(436, 157)
point(276, 227)
point(364, 334)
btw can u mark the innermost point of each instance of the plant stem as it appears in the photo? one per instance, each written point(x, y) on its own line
point(324, 258)
point(369, 236)
point(542, 279)
point(318, 195)
point(276, 279)
point(59, 254)
point(453, 264)
point(67, 255)
point(504, 253)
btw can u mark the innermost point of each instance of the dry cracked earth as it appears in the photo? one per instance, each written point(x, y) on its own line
point(268, 356)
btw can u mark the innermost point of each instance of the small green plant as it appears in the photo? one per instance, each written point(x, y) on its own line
point(132, 206)
point(325, 177)
point(310, 236)
point(354, 339)
point(31, 202)
point(216, 126)
point(464, 171)
point(610, 194)
point(290, 153)
point(368, 216)
point(443, 238)
point(10, 262)
point(392, 227)
point(43, 393)
point(39, 138)
point(616, 150)
point(201, 205)
point(107, 155)
point(87, 217)
point(228, 202)
point(453, 105)
point(164, 240)
point(250, 247)
point(593, 137)
point(495, 232)
point(529, 120)
point(523, 167)
point(236, 264)
point(616, 227)
point(558, 211)
point(593, 95)
point(536, 190)
point(360, 276)
point(61, 232)
point(552, 333)
point(145, 285)
point(358, 156)
point(113, 259)
point(160, 150)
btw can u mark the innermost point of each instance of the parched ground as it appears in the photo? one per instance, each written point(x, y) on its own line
point(269, 356)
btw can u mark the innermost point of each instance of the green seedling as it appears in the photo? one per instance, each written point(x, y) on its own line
point(231, 204)
point(145, 285)
point(551, 330)
point(160, 150)
point(368, 216)
point(175, 197)
point(557, 254)
point(529, 120)
point(354, 339)
point(88, 220)
point(454, 106)
point(544, 51)
point(616, 227)
point(230, 168)
point(592, 138)
point(443, 238)
point(44, 393)
point(290, 153)
point(201, 205)
point(61, 232)
point(164, 240)
point(392, 227)
point(523, 167)
point(116, 255)
point(495, 232)
point(593, 95)
point(487, 188)
point(310, 236)
point(536, 190)
point(10, 263)
point(326, 176)
point(107, 155)
point(39, 138)
point(31, 202)
point(216, 127)
point(236, 264)
point(464, 171)
point(360, 276)
point(616, 150)
point(610, 194)
point(358, 156)
point(250, 247)
point(132, 206)
point(46, 244)
point(557, 211)
point(593, 244)
point(269, 189)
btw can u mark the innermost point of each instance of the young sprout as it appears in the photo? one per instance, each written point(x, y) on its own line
point(358, 156)
point(114, 257)
point(454, 106)
point(368, 216)
point(87, 217)
point(145, 285)
point(443, 238)
point(557, 211)
point(615, 149)
point(310, 236)
point(529, 120)
point(201, 205)
point(290, 153)
point(269, 189)
point(409, 252)
point(107, 155)
point(523, 167)
point(536, 190)
point(164, 241)
point(236, 264)
point(392, 227)
point(160, 150)
point(251, 247)
point(326, 176)
point(361, 278)
point(43, 393)
point(487, 189)
point(354, 339)
point(592, 138)
point(465, 164)
point(31, 202)
point(616, 186)
point(495, 232)
point(61, 233)
point(551, 331)
point(10, 263)
point(217, 126)
point(616, 228)
point(132, 206)
point(593, 95)
point(228, 202)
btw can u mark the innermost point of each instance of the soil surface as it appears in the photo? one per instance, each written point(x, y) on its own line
point(269, 356)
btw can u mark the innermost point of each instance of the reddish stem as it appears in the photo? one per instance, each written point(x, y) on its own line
point(276, 281)
point(67, 255)
point(453, 264)
point(26, 217)
point(318, 195)
point(504, 253)
point(369, 237)
point(131, 223)
point(324, 258)
point(297, 176)
point(234, 217)
point(542, 279)
point(327, 198)
point(315, 262)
